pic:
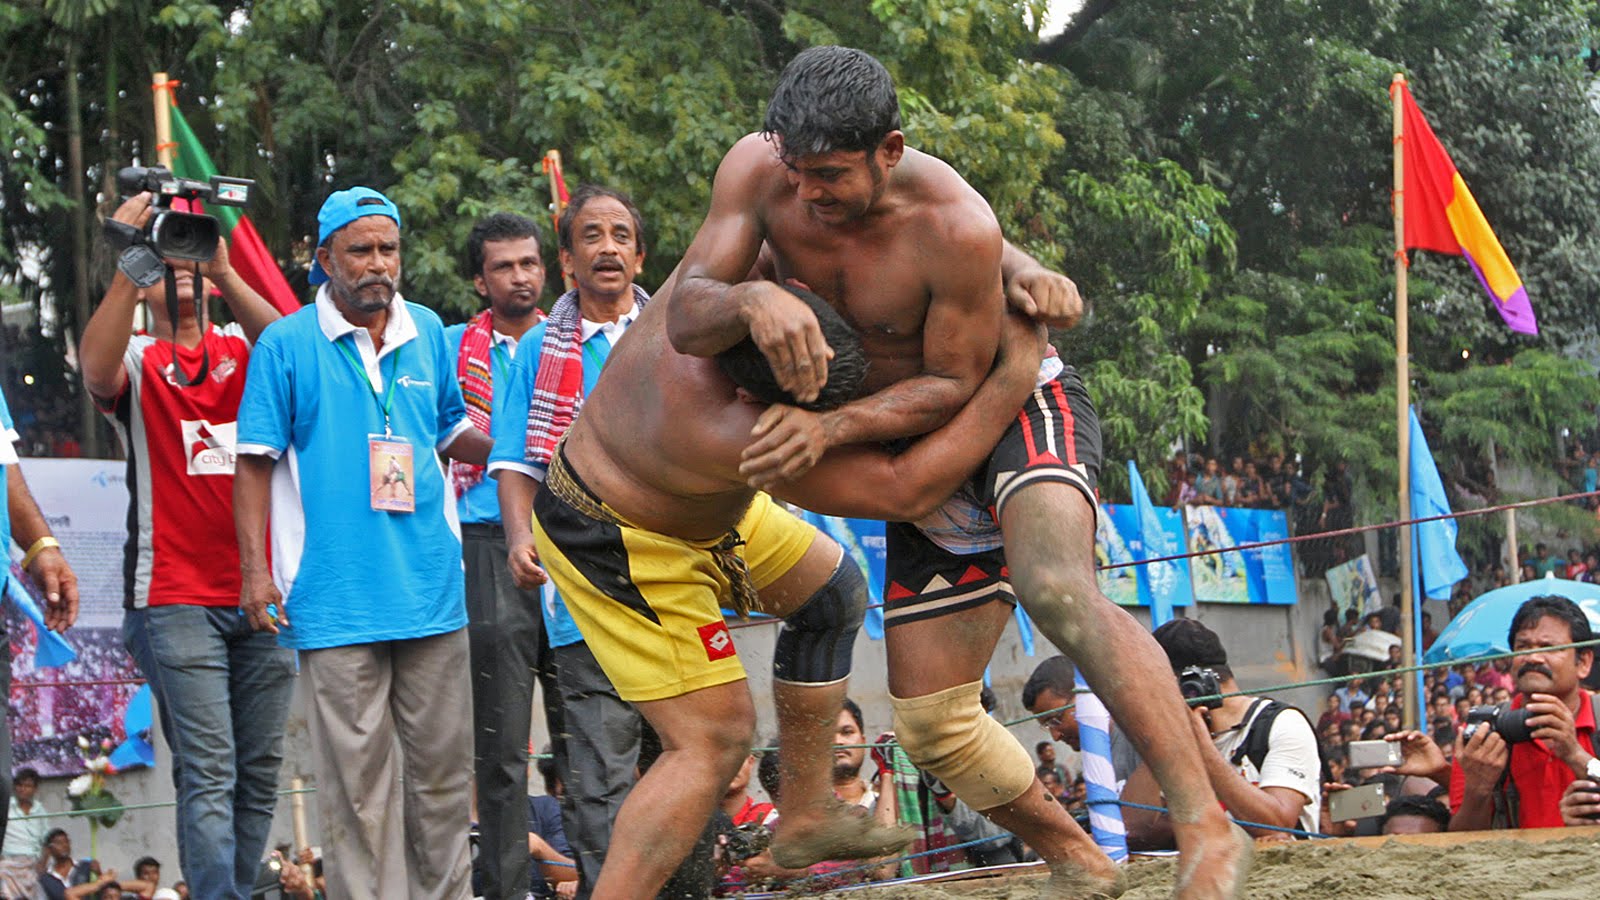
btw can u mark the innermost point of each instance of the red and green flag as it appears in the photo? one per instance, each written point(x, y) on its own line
point(246, 251)
point(1442, 216)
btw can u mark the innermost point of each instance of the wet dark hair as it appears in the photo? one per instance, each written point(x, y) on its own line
point(1556, 607)
point(145, 861)
point(53, 833)
point(1189, 643)
point(26, 773)
point(831, 98)
point(1055, 674)
point(501, 226)
point(747, 367)
point(580, 199)
point(1416, 805)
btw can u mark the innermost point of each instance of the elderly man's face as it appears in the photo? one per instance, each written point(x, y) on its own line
point(362, 260)
point(605, 255)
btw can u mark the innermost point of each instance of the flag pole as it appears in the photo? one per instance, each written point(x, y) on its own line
point(161, 86)
point(1402, 392)
point(558, 203)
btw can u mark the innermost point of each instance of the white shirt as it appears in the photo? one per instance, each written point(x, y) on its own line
point(1292, 761)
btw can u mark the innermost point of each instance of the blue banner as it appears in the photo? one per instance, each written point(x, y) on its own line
point(1117, 533)
point(1218, 577)
point(1270, 569)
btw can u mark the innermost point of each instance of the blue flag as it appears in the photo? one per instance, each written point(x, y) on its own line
point(1440, 567)
point(1156, 580)
point(52, 649)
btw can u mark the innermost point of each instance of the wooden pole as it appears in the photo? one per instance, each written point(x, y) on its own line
point(1402, 391)
point(302, 834)
point(162, 88)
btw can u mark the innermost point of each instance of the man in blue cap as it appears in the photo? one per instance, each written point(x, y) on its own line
point(366, 581)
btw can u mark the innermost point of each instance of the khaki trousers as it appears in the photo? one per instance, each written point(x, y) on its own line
point(391, 732)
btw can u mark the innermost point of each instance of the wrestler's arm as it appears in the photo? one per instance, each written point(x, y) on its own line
point(712, 306)
point(1035, 291)
point(865, 481)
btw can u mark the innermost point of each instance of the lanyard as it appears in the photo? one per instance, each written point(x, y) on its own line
point(593, 353)
point(501, 360)
point(387, 401)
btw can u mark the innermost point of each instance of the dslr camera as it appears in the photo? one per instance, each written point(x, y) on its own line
point(170, 233)
point(1196, 682)
point(1510, 724)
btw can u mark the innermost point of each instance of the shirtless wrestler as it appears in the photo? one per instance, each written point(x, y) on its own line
point(647, 527)
point(830, 195)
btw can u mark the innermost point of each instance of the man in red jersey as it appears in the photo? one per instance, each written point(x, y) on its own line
point(172, 394)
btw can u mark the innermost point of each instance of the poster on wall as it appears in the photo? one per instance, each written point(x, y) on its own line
point(86, 503)
point(1117, 537)
point(1218, 577)
point(1270, 570)
point(1353, 585)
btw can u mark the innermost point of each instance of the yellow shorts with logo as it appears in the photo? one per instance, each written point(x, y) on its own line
point(650, 605)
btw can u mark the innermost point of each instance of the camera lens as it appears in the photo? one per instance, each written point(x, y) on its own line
point(1513, 726)
point(179, 235)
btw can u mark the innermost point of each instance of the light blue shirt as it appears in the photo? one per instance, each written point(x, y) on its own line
point(511, 433)
point(480, 505)
point(351, 574)
point(8, 456)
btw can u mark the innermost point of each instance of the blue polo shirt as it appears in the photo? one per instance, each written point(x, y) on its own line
point(351, 574)
point(511, 433)
point(480, 505)
point(8, 457)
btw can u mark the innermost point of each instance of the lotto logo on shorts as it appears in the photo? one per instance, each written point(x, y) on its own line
point(717, 640)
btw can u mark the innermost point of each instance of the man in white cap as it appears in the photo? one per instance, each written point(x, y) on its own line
point(366, 583)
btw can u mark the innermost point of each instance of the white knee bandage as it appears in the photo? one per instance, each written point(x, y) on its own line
point(949, 734)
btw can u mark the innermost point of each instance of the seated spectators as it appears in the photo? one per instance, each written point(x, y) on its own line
point(65, 878)
point(555, 873)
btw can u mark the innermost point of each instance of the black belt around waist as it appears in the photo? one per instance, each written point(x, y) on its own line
point(482, 529)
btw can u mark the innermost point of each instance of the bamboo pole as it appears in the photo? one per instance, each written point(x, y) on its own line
point(162, 88)
point(302, 834)
point(552, 168)
point(1402, 391)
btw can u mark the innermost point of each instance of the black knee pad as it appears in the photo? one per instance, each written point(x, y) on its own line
point(816, 640)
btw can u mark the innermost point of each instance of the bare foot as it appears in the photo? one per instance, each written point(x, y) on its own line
point(1216, 868)
point(1072, 882)
point(841, 834)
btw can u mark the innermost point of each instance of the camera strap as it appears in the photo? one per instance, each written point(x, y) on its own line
point(178, 375)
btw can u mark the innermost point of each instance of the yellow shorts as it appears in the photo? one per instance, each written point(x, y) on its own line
point(650, 605)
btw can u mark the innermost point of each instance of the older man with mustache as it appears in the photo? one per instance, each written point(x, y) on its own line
point(1521, 777)
point(366, 584)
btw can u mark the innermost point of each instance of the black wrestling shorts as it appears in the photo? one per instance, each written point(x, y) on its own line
point(953, 560)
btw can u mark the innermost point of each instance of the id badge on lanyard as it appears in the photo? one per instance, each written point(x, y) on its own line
point(391, 460)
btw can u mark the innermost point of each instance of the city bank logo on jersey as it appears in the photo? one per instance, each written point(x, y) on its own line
point(408, 381)
point(717, 640)
point(209, 448)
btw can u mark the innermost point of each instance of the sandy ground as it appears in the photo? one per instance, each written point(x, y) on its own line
point(1486, 870)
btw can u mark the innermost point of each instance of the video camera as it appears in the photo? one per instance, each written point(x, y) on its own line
point(1196, 682)
point(170, 233)
point(1511, 724)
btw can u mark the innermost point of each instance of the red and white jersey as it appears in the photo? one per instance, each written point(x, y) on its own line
point(182, 548)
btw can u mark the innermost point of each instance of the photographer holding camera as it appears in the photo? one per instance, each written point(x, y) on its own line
point(1260, 755)
point(172, 393)
point(1514, 768)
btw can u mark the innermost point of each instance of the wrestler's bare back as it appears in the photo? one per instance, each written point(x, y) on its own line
point(660, 437)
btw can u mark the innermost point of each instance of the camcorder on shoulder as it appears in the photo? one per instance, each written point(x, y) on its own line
point(170, 233)
point(1196, 682)
point(1510, 724)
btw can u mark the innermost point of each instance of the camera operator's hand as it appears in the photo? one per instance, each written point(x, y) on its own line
point(1550, 720)
point(256, 594)
point(1482, 758)
point(217, 267)
point(135, 210)
point(1580, 805)
point(1419, 756)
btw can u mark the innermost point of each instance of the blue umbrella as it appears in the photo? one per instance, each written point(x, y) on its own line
point(1480, 628)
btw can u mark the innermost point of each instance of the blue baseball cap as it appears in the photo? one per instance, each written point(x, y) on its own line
point(343, 207)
